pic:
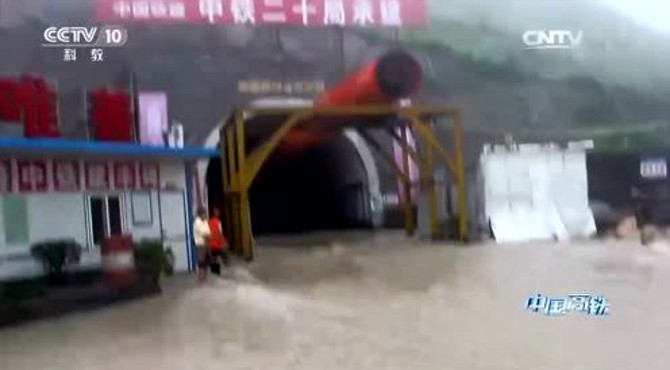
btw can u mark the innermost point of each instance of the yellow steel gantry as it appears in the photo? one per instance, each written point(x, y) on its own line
point(240, 166)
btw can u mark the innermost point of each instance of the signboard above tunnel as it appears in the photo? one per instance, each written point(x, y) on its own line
point(308, 13)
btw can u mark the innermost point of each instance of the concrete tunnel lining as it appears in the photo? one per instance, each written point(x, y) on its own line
point(351, 166)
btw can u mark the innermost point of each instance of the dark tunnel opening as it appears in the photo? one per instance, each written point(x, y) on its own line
point(319, 189)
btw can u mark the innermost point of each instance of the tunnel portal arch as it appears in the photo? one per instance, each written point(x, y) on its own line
point(363, 154)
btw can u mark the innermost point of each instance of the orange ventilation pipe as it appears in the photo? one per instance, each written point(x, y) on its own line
point(393, 77)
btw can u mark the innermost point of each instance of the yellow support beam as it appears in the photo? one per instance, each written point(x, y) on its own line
point(235, 211)
point(225, 178)
point(408, 206)
point(230, 148)
point(460, 179)
point(263, 152)
point(429, 136)
point(405, 146)
point(456, 167)
point(428, 171)
point(240, 168)
point(231, 196)
point(244, 211)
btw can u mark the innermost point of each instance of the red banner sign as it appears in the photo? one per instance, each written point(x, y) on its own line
point(344, 13)
point(124, 176)
point(6, 176)
point(32, 176)
point(66, 176)
point(97, 176)
point(149, 176)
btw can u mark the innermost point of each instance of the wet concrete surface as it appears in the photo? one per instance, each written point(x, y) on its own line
point(354, 301)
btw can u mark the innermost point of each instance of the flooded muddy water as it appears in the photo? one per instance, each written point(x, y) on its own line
point(376, 302)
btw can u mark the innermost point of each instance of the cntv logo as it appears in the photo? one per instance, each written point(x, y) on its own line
point(552, 39)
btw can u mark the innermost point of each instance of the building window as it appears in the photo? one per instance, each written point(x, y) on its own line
point(15, 217)
point(114, 211)
point(106, 214)
point(98, 222)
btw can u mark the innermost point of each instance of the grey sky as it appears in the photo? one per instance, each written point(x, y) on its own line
point(651, 13)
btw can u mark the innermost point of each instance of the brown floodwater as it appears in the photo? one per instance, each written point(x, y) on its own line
point(357, 301)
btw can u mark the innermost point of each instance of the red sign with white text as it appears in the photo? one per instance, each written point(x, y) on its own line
point(97, 176)
point(5, 176)
point(25, 176)
point(149, 177)
point(32, 176)
point(66, 176)
point(343, 13)
point(124, 175)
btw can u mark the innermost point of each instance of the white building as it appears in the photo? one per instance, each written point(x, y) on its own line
point(60, 189)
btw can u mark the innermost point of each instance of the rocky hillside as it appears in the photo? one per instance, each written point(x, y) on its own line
point(472, 54)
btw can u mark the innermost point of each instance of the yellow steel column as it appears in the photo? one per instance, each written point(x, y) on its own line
point(224, 164)
point(225, 179)
point(456, 167)
point(427, 134)
point(460, 179)
point(429, 177)
point(235, 216)
point(232, 198)
point(412, 153)
point(261, 154)
point(245, 213)
point(409, 211)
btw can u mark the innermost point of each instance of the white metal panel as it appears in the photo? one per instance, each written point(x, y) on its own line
point(515, 198)
point(570, 192)
point(543, 165)
point(15, 266)
point(56, 216)
point(520, 224)
point(496, 187)
point(152, 231)
point(492, 169)
point(540, 192)
point(50, 216)
point(2, 226)
point(174, 227)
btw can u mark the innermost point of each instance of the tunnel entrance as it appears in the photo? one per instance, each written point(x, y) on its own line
point(318, 189)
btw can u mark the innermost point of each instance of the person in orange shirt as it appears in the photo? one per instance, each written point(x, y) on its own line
point(217, 243)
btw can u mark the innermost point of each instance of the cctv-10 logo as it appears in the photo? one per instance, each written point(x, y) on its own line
point(106, 36)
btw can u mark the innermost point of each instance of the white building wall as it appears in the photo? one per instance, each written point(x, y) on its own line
point(50, 216)
point(143, 231)
point(2, 229)
point(56, 216)
point(64, 216)
point(172, 174)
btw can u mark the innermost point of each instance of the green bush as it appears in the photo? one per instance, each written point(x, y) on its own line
point(168, 262)
point(55, 255)
point(149, 258)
